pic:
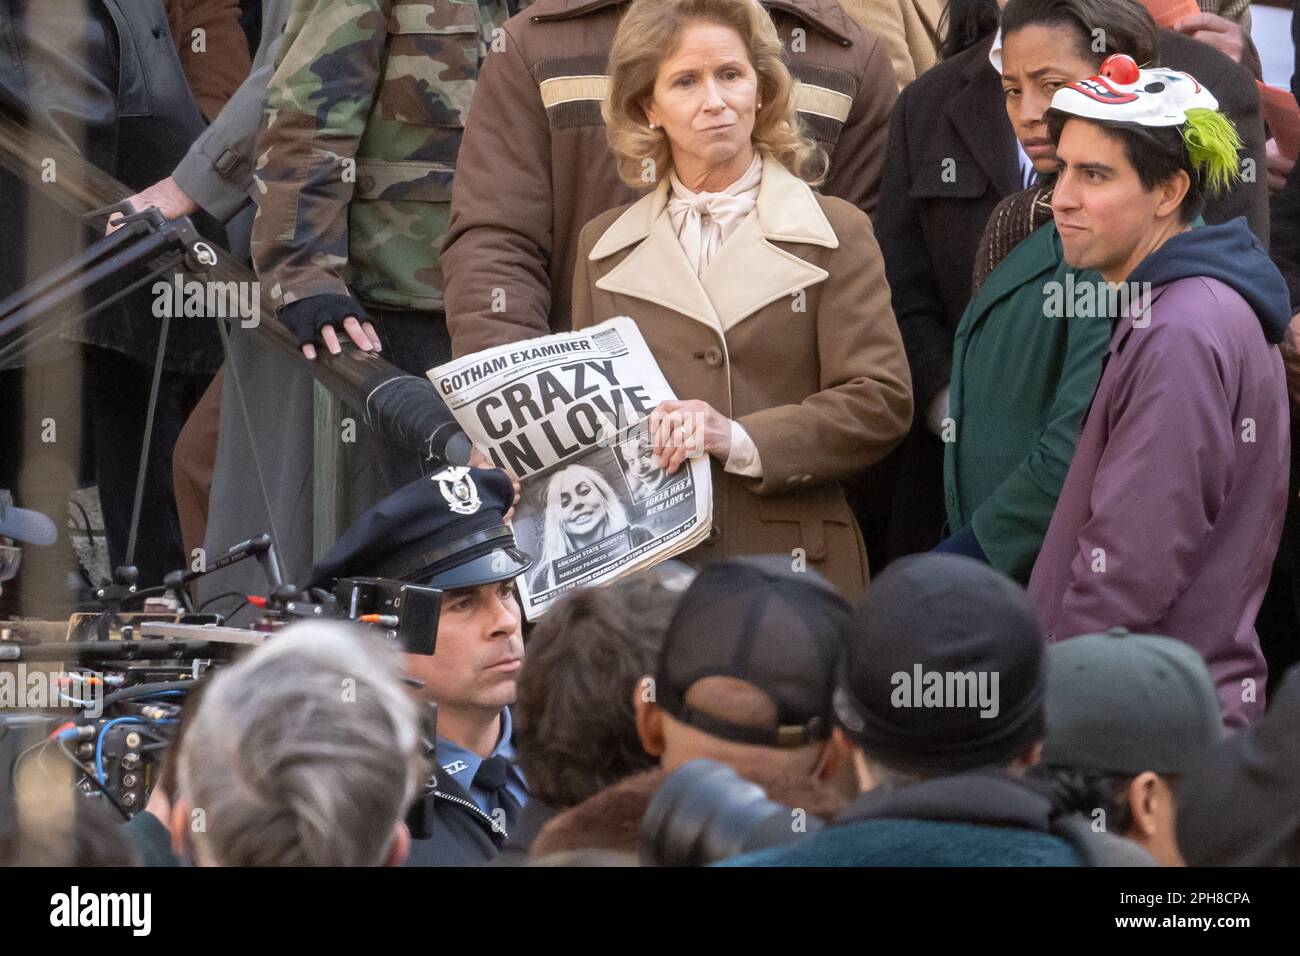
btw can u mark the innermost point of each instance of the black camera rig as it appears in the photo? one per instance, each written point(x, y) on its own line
point(114, 678)
point(117, 679)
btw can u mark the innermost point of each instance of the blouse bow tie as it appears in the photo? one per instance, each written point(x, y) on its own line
point(704, 221)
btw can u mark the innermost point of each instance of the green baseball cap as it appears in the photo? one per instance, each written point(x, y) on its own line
point(1121, 703)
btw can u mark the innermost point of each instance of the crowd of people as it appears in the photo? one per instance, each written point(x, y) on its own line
point(982, 314)
point(925, 725)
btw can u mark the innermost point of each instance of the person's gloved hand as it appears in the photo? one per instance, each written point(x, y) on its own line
point(313, 319)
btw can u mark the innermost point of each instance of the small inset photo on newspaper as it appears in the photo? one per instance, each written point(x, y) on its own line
point(606, 509)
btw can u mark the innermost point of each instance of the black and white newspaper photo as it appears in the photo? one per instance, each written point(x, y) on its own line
point(567, 414)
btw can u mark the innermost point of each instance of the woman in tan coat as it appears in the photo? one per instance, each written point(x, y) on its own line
point(765, 304)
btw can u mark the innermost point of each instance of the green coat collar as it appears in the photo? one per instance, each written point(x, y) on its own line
point(1039, 252)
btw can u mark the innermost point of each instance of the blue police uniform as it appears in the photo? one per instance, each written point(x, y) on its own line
point(446, 530)
point(463, 766)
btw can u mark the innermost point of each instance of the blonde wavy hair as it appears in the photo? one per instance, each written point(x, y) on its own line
point(648, 33)
point(556, 542)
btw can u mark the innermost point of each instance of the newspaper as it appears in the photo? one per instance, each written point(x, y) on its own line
point(567, 414)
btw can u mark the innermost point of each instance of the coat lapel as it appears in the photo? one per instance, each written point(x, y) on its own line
point(657, 270)
point(749, 271)
point(980, 118)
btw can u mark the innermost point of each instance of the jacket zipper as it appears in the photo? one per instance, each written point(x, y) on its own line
point(579, 12)
point(474, 807)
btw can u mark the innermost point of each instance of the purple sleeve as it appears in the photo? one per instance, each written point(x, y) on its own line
point(1159, 483)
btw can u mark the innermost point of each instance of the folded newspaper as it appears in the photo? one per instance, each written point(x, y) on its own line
point(567, 414)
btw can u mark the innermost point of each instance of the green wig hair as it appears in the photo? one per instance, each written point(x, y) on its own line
point(1212, 143)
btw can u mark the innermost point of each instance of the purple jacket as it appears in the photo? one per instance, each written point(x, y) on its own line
point(1172, 509)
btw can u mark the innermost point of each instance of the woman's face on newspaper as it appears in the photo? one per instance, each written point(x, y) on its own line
point(640, 456)
point(582, 507)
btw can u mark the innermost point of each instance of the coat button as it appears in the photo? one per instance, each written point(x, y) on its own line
point(714, 534)
point(713, 357)
point(366, 184)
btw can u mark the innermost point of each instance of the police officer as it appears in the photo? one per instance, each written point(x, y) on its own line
point(447, 531)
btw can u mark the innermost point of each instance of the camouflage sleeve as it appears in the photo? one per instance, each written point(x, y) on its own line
point(317, 105)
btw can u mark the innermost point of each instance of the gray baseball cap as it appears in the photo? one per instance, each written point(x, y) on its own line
point(1122, 703)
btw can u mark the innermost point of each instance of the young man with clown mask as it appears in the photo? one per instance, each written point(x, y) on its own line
point(1173, 505)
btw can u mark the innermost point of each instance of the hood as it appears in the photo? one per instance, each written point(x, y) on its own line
point(1230, 253)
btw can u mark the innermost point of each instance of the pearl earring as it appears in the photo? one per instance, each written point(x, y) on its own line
point(652, 126)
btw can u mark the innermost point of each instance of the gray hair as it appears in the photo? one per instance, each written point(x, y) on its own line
point(305, 753)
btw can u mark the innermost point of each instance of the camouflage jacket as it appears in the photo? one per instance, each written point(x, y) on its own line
point(354, 162)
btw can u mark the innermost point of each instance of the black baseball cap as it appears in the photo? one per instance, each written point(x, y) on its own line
point(445, 530)
point(957, 618)
point(1121, 703)
point(757, 620)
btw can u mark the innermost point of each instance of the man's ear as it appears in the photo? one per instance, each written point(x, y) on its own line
point(1143, 797)
point(1172, 193)
point(401, 847)
point(829, 759)
point(179, 827)
point(1031, 756)
point(649, 717)
point(850, 752)
point(842, 745)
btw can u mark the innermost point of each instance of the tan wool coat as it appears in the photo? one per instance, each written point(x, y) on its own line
point(789, 331)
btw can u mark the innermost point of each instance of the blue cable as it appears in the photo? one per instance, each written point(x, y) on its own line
point(99, 743)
